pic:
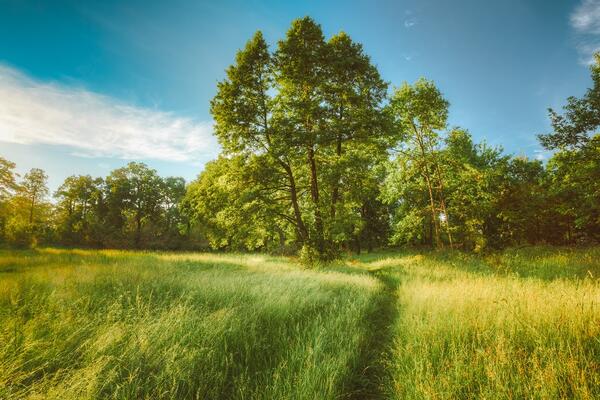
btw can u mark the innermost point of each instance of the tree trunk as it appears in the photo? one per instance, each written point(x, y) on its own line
point(314, 194)
point(281, 235)
point(335, 194)
point(427, 176)
point(442, 198)
point(138, 229)
point(31, 210)
point(300, 227)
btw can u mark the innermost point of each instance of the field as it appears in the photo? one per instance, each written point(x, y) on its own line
point(77, 324)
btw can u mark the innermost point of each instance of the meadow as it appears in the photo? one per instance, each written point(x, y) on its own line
point(83, 324)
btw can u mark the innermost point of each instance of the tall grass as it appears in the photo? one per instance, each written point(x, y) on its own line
point(78, 324)
point(511, 326)
point(84, 324)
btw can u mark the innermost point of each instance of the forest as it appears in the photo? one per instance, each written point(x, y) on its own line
point(321, 156)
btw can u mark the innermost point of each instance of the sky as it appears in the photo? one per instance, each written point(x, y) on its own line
point(86, 87)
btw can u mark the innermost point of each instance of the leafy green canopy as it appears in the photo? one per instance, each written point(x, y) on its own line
point(581, 116)
point(304, 129)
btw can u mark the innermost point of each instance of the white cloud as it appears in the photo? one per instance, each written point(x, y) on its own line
point(585, 20)
point(93, 125)
point(410, 22)
point(586, 17)
point(587, 50)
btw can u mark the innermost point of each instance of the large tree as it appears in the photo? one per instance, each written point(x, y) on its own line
point(310, 117)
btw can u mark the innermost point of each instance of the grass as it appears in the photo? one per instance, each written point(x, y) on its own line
point(133, 325)
point(509, 327)
point(78, 324)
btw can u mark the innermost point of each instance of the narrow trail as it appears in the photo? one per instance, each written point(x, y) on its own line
point(369, 377)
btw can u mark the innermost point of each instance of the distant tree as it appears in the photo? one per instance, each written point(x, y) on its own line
point(34, 189)
point(8, 183)
point(580, 117)
point(522, 204)
point(371, 223)
point(173, 190)
point(78, 209)
point(133, 197)
point(574, 193)
point(174, 220)
point(8, 187)
point(29, 214)
point(420, 112)
point(474, 174)
point(574, 170)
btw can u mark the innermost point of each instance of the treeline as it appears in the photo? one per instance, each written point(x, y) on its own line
point(132, 207)
point(319, 157)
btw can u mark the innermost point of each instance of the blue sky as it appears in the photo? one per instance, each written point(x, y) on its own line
point(86, 87)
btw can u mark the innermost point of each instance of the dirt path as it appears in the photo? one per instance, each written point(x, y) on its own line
point(369, 379)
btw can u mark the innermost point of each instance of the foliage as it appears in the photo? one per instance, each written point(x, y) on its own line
point(231, 212)
point(308, 117)
point(8, 183)
point(488, 199)
point(581, 116)
point(132, 207)
point(574, 193)
point(27, 214)
point(419, 112)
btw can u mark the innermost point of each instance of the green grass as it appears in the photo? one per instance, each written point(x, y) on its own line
point(78, 324)
point(133, 325)
point(524, 324)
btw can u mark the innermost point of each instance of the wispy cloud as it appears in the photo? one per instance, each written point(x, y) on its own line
point(586, 17)
point(585, 21)
point(94, 125)
point(587, 49)
point(410, 20)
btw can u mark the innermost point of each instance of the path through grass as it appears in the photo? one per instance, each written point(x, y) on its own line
point(109, 324)
point(524, 324)
point(369, 380)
